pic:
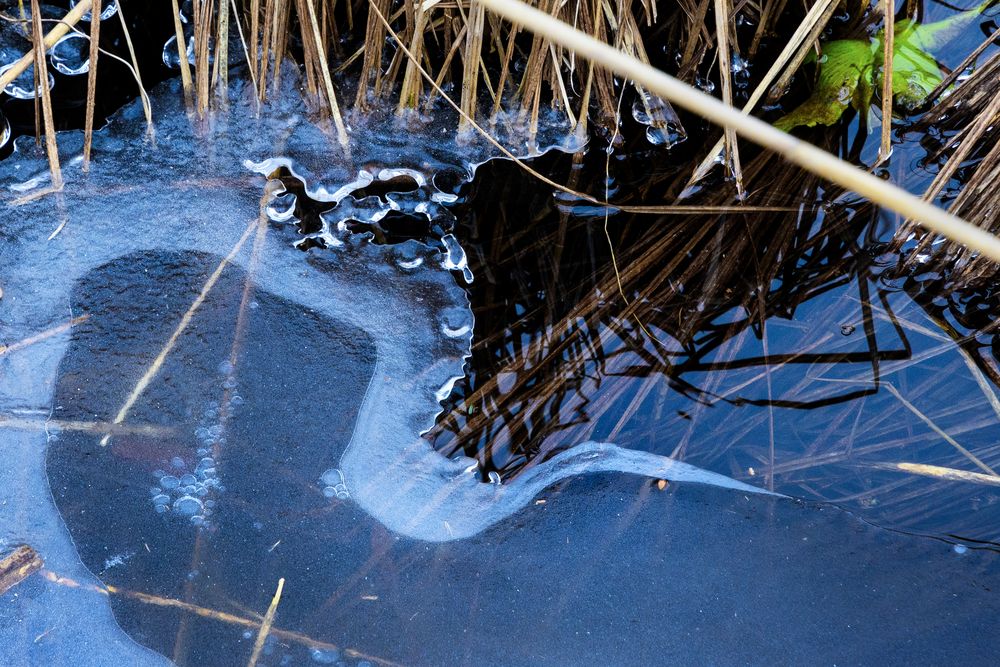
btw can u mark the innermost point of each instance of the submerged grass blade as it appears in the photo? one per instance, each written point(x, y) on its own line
point(934, 427)
point(939, 472)
point(213, 614)
point(154, 367)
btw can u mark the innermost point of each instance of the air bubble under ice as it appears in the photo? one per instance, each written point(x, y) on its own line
point(71, 55)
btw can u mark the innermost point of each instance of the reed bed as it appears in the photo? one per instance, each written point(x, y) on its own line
point(404, 54)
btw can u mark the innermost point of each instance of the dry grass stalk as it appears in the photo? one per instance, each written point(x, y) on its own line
point(265, 626)
point(888, 31)
point(794, 52)
point(220, 73)
point(18, 566)
point(42, 87)
point(799, 152)
point(947, 438)
point(409, 94)
point(473, 59)
point(135, 71)
point(973, 109)
point(939, 472)
point(185, 66)
point(816, 25)
point(43, 335)
point(722, 34)
point(157, 364)
point(331, 96)
point(212, 614)
point(371, 68)
point(202, 21)
point(88, 124)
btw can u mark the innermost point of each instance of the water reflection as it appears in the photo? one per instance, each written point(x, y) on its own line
point(792, 350)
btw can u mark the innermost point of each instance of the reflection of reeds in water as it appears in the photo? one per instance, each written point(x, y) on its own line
point(565, 352)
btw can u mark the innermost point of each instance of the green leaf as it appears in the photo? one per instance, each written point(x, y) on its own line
point(915, 73)
point(844, 79)
point(847, 70)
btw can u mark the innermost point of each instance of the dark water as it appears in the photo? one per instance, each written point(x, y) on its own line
point(804, 402)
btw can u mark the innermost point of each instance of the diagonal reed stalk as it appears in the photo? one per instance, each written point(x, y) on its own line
point(794, 150)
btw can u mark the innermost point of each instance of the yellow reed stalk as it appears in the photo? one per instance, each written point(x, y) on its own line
point(42, 87)
point(88, 123)
point(182, 53)
point(331, 96)
point(888, 32)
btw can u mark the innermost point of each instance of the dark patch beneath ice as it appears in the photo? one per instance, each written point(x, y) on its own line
point(298, 381)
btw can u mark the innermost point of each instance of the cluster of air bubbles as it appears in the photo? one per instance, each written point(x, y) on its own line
point(184, 492)
point(23, 87)
point(189, 487)
point(663, 127)
point(71, 55)
point(333, 484)
point(108, 9)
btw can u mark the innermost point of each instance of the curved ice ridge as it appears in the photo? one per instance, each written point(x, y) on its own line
point(418, 493)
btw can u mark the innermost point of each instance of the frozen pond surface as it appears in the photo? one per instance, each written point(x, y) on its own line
point(212, 408)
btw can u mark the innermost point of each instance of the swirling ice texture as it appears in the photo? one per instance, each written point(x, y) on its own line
point(189, 190)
